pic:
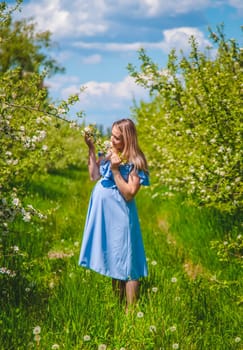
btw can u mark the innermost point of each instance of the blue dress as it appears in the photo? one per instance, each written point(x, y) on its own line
point(112, 243)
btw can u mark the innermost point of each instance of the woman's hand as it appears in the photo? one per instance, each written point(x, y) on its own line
point(115, 161)
point(88, 140)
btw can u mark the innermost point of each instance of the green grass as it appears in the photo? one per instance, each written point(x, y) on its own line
point(190, 298)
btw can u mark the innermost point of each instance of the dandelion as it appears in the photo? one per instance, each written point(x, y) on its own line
point(173, 328)
point(140, 314)
point(153, 262)
point(175, 346)
point(152, 328)
point(42, 135)
point(44, 148)
point(154, 289)
point(237, 339)
point(102, 347)
point(16, 201)
point(173, 279)
point(51, 285)
point(87, 337)
point(38, 120)
point(55, 346)
point(37, 330)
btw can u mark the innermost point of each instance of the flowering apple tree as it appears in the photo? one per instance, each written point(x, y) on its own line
point(26, 120)
point(192, 127)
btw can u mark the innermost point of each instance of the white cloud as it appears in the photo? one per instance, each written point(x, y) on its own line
point(56, 83)
point(119, 47)
point(157, 7)
point(102, 95)
point(107, 95)
point(92, 59)
point(238, 4)
point(86, 18)
point(67, 18)
point(173, 38)
point(103, 101)
point(177, 38)
point(151, 8)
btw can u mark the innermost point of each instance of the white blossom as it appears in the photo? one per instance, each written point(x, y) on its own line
point(173, 279)
point(37, 330)
point(16, 202)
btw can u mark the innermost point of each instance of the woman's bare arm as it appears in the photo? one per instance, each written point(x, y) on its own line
point(93, 165)
point(127, 189)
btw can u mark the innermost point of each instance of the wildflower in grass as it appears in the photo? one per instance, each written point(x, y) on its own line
point(16, 202)
point(51, 285)
point(173, 328)
point(152, 329)
point(55, 346)
point(102, 347)
point(87, 337)
point(37, 330)
point(26, 217)
point(140, 314)
point(237, 339)
point(175, 346)
point(153, 262)
point(44, 148)
point(154, 289)
point(173, 279)
point(5, 271)
point(122, 349)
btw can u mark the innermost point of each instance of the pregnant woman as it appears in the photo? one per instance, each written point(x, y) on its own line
point(112, 243)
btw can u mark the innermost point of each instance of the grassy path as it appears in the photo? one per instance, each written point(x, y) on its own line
point(189, 301)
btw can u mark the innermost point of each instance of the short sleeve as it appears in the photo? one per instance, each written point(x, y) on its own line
point(105, 170)
point(144, 177)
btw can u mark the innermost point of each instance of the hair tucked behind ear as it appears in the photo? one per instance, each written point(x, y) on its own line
point(131, 151)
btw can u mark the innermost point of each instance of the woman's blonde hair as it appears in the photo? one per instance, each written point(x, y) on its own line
point(131, 151)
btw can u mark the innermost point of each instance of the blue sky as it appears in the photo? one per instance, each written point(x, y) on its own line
point(98, 38)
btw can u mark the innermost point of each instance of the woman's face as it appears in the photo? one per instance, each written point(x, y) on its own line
point(117, 139)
